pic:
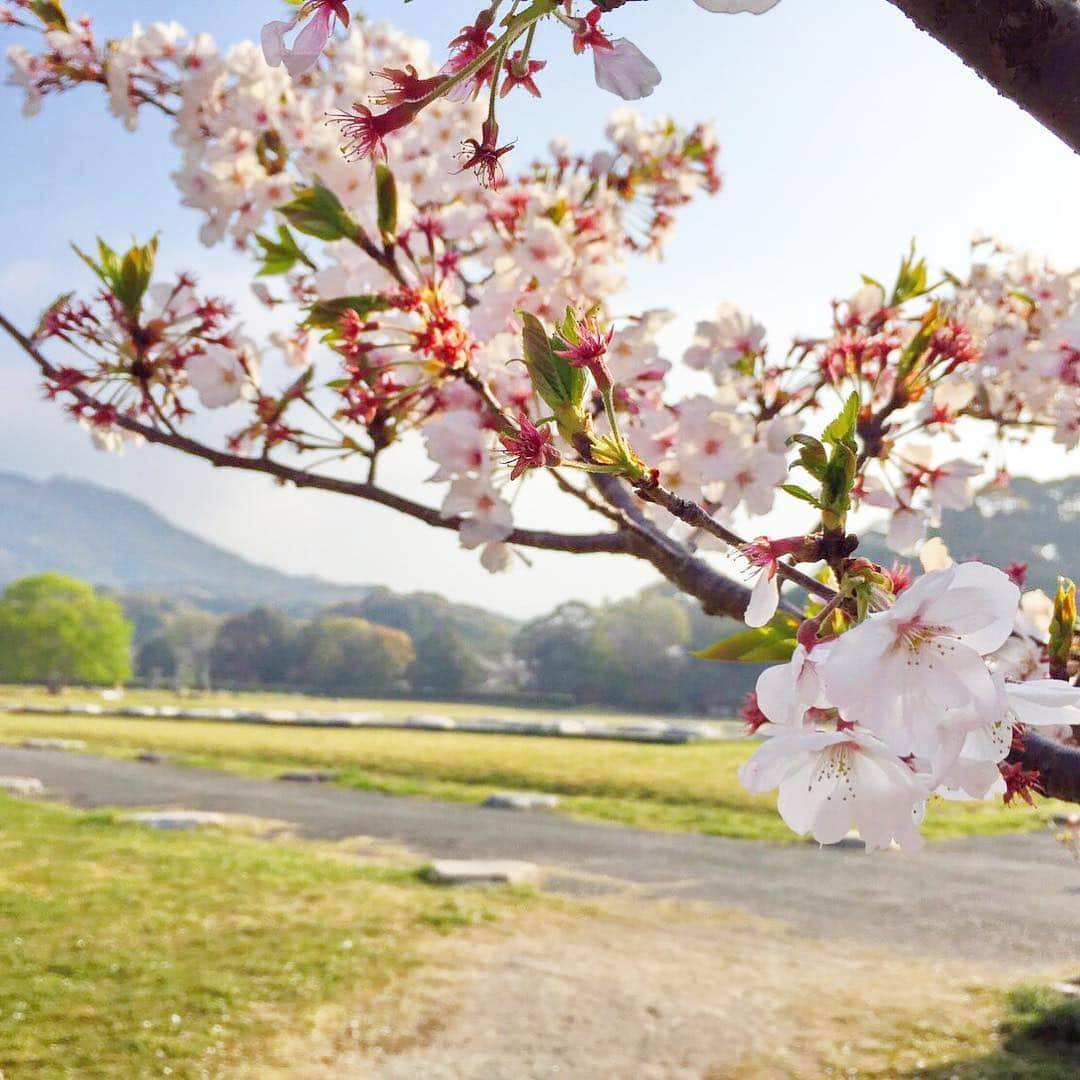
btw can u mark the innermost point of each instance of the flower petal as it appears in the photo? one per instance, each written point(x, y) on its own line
point(625, 70)
point(764, 600)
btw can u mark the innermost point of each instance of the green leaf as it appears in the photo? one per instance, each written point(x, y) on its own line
point(51, 13)
point(797, 492)
point(555, 379)
point(843, 427)
point(568, 327)
point(772, 643)
point(911, 279)
point(127, 277)
point(931, 321)
point(326, 314)
point(812, 455)
point(317, 211)
point(136, 270)
point(1063, 625)
point(281, 255)
point(387, 200)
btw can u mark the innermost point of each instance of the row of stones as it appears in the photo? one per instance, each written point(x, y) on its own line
point(646, 731)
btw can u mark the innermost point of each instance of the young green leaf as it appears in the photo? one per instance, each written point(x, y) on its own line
point(772, 643)
point(387, 200)
point(281, 255)
point(326, 314)
point(317, 211)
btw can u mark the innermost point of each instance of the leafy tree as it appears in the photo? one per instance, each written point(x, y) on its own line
point(157, 659)
point(255, 649)
point(56, 630)
point(643, 643)
point(419, 613)
point(182, 649)
point(562, 652)
point(445, 663)
point(343, 655)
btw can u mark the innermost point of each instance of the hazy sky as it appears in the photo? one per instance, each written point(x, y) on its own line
point(845, 133)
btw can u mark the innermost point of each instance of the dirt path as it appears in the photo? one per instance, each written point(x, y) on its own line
point(648, 992)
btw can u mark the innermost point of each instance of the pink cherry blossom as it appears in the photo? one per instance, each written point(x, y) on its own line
point(623, 69)
point(310, 42)
point(733, 7)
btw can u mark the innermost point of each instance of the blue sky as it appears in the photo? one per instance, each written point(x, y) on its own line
point(845, 133)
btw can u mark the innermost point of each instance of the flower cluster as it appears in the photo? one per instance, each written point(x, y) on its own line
point(147, 345)
point(488, 56)
point(924, 697)
point(419, 282)
point(420, 310)
point(413, 307)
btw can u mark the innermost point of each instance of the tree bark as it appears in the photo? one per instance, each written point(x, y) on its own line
point(1058, 766)
point(1028, 50)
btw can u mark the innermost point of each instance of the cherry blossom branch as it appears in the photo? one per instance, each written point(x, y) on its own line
point(1028, 50)
point(608, 542)
point(697, 517)
point(717, 594)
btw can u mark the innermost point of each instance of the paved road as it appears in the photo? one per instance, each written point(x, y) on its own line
point(1004, 900)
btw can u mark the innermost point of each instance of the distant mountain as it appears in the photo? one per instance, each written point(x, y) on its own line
point(1028, 521)
point(116, 542)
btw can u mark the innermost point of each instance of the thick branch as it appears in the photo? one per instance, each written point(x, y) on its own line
point(1058, 765)
point(1029, 50)
point(699, 518)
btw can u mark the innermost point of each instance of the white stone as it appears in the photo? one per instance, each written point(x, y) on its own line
point(54, 744)
point(178, 819)
point(22, 785)
point(483, 872)
point(429, 722)
point(572, 727)
point(521, 800)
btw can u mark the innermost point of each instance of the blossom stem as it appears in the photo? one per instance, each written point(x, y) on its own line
point(697, 516)
point(515, 27)
point(608, 397)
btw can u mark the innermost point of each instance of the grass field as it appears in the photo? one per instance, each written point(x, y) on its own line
point(691, 788)
point(129, 952)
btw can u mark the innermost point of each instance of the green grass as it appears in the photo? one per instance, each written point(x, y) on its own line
point(129, 952)
point(1038, 1039)
point(691, 788)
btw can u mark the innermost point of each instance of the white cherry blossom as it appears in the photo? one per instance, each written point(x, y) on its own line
point(905, 671)
point(218, 376)
point(786, 691)
point(833, 781)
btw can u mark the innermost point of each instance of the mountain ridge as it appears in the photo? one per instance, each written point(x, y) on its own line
point(119, 543)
